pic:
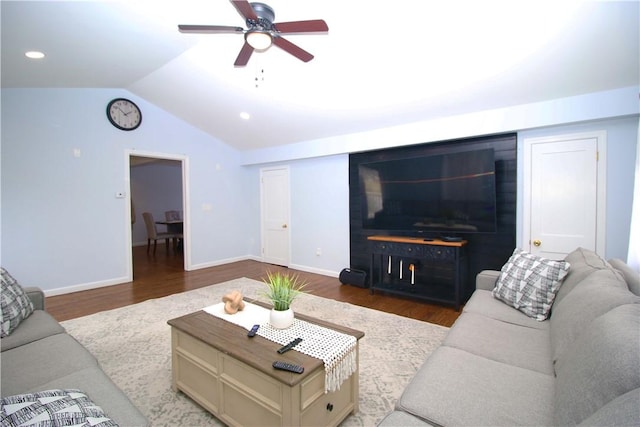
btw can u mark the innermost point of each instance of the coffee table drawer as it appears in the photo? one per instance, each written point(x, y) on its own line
point(327, 409)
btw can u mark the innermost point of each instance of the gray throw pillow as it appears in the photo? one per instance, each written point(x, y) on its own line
point(14, 304)
point(529, 283)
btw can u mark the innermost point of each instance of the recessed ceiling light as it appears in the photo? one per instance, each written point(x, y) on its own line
point(34, 54)
point(244, 115)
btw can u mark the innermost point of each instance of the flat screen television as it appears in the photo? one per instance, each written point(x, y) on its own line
point(435, 195)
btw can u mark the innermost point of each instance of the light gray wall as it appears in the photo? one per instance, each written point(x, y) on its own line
point(63, 228)
point(320, 213)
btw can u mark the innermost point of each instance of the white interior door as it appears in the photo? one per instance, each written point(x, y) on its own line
point(274, 191)
point(564, 194)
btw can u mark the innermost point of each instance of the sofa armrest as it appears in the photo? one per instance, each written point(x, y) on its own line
point(36, 296)
point(486, 279)
point(630, 275)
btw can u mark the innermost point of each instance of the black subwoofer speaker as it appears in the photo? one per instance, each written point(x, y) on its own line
point(351, 276)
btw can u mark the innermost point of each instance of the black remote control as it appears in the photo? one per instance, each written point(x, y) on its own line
point(284, 366)
point(252, 332)
point(289, 346)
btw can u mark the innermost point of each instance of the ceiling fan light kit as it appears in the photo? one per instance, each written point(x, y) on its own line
point(261, 31)
point(259, 40)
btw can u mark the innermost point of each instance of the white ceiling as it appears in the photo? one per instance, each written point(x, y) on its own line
point(381, 64)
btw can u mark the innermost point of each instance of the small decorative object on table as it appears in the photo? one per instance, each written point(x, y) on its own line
point(282, 289)
point(233, 302)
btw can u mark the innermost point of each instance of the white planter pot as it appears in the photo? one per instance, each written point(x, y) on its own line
point(281, 319)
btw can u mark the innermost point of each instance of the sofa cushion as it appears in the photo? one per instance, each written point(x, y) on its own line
point(102, 391)
point(37, 326)
point(39, 362)
point(529, 283)
point(52, 408)
point(504, 342)
point(483, 303)
point(600, 292)
point(621, 411)
point(486, 280)
point(630, 275)
point(455, 387)
point(601, 365)
point(583, 263)
point(14, 304)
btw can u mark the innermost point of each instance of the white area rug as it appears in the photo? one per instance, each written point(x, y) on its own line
point(133, 345)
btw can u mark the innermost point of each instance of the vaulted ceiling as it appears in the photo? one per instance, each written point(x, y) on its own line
point(381, 63)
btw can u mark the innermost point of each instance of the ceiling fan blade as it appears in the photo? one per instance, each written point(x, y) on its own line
point(244, 8)
point(209, 29)
point(244, 55)
point(294, 50)
point(313, 26)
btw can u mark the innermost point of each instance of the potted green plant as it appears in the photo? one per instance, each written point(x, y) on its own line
point(282, 289)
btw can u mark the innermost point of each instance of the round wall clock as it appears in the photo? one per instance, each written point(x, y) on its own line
point(124, 114)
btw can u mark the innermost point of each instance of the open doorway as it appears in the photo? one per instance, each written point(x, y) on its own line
point(157, 184)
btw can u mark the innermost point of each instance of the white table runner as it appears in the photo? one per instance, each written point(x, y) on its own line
point(335, 349)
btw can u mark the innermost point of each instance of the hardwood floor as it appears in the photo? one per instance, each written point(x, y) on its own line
point(163, 274)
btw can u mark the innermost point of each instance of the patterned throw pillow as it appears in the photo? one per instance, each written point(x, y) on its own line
point(52, 408)
point(529, 283)
point(14, 303)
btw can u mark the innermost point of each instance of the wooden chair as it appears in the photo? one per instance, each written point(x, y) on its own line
point(153, 234)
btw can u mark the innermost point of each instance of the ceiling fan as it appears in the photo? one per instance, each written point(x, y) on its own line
point(261, 31)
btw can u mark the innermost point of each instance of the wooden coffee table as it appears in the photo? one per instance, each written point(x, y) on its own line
point(231, 375)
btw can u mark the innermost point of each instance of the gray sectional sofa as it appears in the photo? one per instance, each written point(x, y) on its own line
point(38, 356)
point(500, 367)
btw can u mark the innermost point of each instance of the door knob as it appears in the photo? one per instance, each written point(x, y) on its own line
point(284, 225)
point(537, 242)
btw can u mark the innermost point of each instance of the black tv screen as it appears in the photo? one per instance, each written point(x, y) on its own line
point(443, 194)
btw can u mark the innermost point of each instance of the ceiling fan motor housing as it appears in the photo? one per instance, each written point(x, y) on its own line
point(265, 15)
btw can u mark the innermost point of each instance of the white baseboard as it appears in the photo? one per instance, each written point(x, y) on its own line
point(299, 267)
point(222, 262)
point(315, 270)
point(85, 286)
